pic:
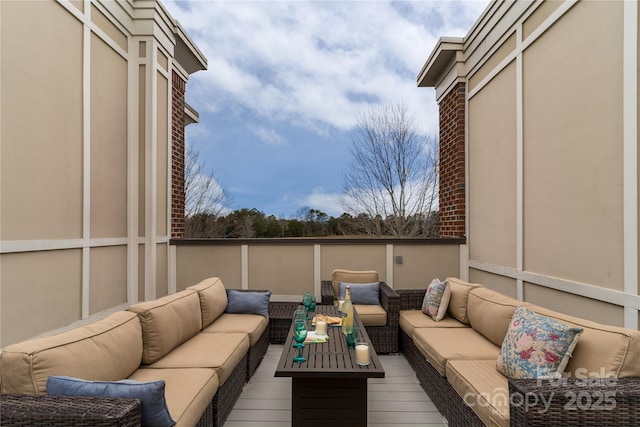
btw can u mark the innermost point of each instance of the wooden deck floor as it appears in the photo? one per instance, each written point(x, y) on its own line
point(396, 400)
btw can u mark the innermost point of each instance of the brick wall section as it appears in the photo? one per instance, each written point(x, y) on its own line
point(452, 161)
point(177, 157)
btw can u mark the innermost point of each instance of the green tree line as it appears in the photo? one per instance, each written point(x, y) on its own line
point(252, 223)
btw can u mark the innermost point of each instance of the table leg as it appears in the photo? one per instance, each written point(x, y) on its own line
point(321, 401)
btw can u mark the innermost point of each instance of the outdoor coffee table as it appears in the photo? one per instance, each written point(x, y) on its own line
point(329, 387)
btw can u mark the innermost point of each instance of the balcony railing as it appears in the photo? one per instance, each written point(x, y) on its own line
point(291, 266)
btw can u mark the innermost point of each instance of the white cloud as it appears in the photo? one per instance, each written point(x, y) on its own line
point(304, 61)
point(310, 65)
point(270, 136)
point(321, 200)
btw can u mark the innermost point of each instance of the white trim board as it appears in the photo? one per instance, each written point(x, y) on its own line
point(630, 155)
point(610, 296)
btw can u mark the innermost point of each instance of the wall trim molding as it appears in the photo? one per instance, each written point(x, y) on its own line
point(630, 155)
point(318, 241)
point(610, 296)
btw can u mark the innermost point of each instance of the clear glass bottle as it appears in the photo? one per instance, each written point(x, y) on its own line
point(347, 311)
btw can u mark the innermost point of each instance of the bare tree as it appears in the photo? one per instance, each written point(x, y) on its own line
point(390, 184)
point(205, 199)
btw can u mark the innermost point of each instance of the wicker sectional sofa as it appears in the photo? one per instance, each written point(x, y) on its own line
point(455, 362)
point(204, 355)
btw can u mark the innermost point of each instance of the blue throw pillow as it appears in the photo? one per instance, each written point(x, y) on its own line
point(251, 302)
point(362, 293)
point(150, 394)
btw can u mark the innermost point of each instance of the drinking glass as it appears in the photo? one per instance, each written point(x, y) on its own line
point(306, 299)
point(312, 303)
point(299, 334)
point(353, 334)
point(302, 316)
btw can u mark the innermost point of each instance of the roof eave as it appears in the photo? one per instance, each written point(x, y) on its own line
point(440, 60)
point(186, 51)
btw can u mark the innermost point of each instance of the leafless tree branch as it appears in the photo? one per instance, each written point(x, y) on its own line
point(390, 184)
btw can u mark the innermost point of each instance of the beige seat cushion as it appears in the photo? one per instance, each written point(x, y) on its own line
point(167, 322)
point(252, 324)
point(351, 276)
point(439, 345)
point(602, 350)
point(371, 315)
point(411, 319)
point(188, 392)
point(484, 388)
point(213, 299)
point(459, 300)
point(220, 351)
point(109, 349)
point(490, 313)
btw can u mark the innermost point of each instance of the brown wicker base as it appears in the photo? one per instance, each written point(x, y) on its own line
point(206, 420)
point(280, 316)
point(383, 339)
point(257, 352)
point(442, 394)
point(571, 402)
point(45, 410)
point(228, 393)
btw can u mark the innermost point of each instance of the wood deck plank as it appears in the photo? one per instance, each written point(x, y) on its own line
point(396, 400)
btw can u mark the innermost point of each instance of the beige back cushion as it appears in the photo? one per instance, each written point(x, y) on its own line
point(168, 322)
point(107, 350)
point(490, 313)
point(213, 299)
point(351, 276)
point(459, 298)
point(602, 350)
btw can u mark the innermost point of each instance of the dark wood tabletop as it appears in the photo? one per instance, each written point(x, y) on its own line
point(332, 358)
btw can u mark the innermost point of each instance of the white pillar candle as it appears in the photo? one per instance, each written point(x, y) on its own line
point(321, 327)
point(362, 353)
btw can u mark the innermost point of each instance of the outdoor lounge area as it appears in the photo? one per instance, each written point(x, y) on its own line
point(473, 355)
point(534, 319)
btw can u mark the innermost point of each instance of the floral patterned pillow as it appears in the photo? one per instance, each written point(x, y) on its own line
point(536, 346)
point(436, 300)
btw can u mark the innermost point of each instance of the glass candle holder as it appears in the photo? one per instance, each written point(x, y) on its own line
point(362, 353)
point(321, 327)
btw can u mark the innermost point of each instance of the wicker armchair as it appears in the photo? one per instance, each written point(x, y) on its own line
point(383, 338)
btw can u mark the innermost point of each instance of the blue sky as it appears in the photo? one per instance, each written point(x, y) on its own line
point(287, 80)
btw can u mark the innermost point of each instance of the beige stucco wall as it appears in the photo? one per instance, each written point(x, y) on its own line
point(108, 269)
point(283, 269)
point(195, 263)
point(492, 171)
point(573, 149)
point(574, 305)
point(75, 166)
point(35, 300)
point(41, 152)
point(569, 117)
point(108, 141)
point(504, 285)
point(354, 257)
point(423, 263)
point(288, 270)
